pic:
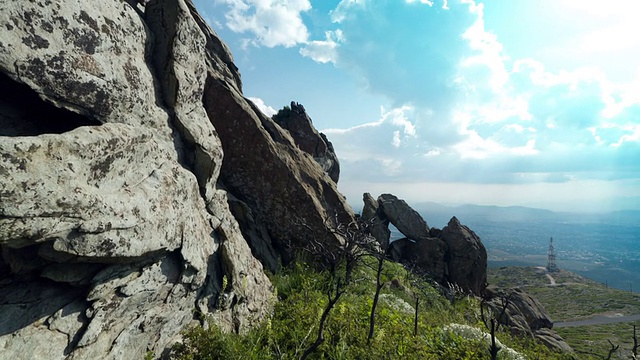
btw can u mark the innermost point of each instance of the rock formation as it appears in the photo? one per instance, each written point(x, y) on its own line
point(295, 120)
point(524, 316)
point(376, 221)
point(115, 220)
point(453, 255)
point(466, 257)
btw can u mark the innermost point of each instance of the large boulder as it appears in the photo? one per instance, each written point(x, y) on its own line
point(403, 217)
point(466, 257)
point(426, 256)
point(524, 315)
point(299, 125)
point(451, 256)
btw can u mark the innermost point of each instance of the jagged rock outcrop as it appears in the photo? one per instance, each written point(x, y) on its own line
point(295, 120)
point(524, 316)
point(453, 255)
point(287, 191)
point(256, 234)
point(115, 220)
point(466, 257)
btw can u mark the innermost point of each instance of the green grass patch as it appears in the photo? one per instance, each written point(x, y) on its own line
point(302, 296)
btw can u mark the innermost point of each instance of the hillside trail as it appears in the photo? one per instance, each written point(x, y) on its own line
point(552, 281)
point(596, 320)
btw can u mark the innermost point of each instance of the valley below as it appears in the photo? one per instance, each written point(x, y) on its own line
point(588, 315)
point(594, 299)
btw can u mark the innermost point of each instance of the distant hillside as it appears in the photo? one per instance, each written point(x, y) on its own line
point(571, 297)
point(438, 215)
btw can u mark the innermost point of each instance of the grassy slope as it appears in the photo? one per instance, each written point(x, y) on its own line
point(301, 298)
point(575, 297)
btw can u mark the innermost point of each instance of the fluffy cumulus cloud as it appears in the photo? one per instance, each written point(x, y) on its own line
point(270, 23)
point(511, 120)
point(266, 109)
point(324, 51)
point(377, 147)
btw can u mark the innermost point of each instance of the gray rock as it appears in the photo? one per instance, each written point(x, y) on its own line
point(373, 217)
point(453, 255)
point(256, 234)
point(552, 340)
point(285, 188)
point(403, 217)
point(524, 316)
point(370, 207)
point(299, 125)
point(425, 256)
point(467, 257)
point(74, 273)
point(110, 164)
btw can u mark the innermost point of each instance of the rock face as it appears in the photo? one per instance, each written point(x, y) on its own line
point(299, 125)
point(453, 255)
point(116, 220)
point(376, 221)
point(467, 257)
point(524, 316)
point(288, 192)
point(403, 217)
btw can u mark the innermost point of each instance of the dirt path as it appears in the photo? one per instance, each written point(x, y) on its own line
point(598, 320)
point(552, 281)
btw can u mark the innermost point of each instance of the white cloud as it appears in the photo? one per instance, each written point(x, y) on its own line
point(266, 109)
point(324, 51)
point(376, 147)
point(271, 22)
point(428, 2)
point(396, 139)
point(341, 12)
point(632, 135)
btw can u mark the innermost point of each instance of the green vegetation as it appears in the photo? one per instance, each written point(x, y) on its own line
point(574, 297)
point(445, 329)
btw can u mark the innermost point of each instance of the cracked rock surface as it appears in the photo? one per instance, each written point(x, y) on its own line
point(114, 228)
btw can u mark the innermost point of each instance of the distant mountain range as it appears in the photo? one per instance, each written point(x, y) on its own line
point(438, 215)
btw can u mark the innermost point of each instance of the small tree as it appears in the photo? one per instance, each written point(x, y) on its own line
point(339, 260)
point(635, 344)
point(493, 324)
point(419, 282)
point(372, 318)
point(612, 350)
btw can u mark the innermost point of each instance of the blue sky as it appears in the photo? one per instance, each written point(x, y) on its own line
point(529, 102)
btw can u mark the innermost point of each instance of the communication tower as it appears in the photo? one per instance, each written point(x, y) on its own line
point(551, 264)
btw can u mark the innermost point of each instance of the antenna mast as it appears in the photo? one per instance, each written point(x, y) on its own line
point(551, 264)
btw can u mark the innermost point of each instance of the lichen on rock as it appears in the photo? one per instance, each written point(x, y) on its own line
point(114, 228)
